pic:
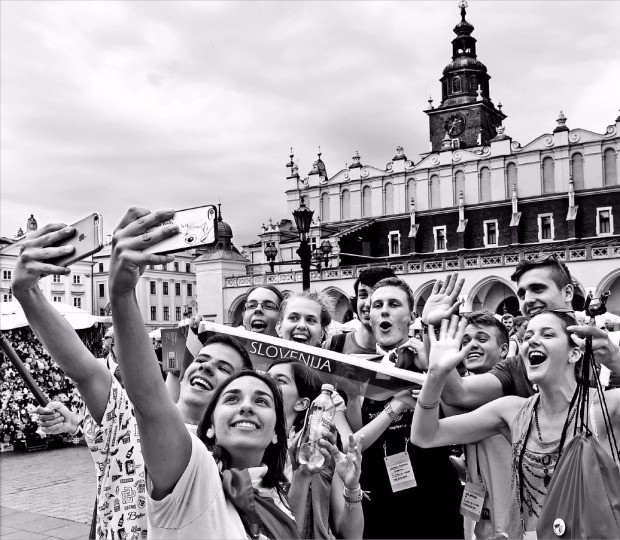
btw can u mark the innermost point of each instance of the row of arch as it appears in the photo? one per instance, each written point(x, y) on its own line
point(493, 292)
point(610, 178)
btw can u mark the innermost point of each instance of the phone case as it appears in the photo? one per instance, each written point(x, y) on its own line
point(87, 240)
point(197, 227)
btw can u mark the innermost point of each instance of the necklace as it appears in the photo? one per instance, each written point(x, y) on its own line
point(547, 477)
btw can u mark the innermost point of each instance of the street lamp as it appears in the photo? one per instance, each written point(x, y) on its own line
point(303, 219)
point(321, 254)
point(270, 252)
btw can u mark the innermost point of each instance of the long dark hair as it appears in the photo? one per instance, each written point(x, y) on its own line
point(307, 382)
point(275, 454)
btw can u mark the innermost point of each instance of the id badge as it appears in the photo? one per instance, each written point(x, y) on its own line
point(473, 500)
point(400, 471)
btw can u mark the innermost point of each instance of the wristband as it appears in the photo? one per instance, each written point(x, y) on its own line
point(394, 416)
point(426, 406)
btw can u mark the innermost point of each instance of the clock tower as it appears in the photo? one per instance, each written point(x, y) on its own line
point(466, 117)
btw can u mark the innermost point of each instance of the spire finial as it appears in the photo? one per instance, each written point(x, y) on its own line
point(319, 151)
point(219, 211)
point(463, 6)
point(430, 102)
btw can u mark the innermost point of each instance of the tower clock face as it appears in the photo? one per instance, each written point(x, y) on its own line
point(455, 124)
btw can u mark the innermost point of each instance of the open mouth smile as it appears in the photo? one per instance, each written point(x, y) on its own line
point(474, 355)
point(258, 326)
point(536, 358)
point(535, 310)
point(199, 382)
point(245, 424)
point(300, 337)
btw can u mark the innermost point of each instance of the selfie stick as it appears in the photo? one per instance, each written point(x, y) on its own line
point(23, 372)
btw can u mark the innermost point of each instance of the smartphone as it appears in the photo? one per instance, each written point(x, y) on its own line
point(87, 239)
point(197, 227)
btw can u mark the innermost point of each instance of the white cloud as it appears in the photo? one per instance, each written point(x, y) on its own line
point(107, 104)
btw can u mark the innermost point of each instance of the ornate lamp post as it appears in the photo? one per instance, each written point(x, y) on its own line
point(303, 219)
point(271, 251)
point(321, 254)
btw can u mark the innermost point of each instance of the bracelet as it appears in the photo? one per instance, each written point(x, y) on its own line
point(353, 494)
point(424, 328)
point(426, 406)
point(394, 416)
point(77, 432)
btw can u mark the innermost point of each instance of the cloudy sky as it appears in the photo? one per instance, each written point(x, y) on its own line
point(176, 104)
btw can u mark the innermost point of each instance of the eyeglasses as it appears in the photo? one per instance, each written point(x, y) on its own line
point(561, 266)
point(266, 305)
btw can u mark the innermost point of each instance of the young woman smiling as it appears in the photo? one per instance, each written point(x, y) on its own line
point(538, 427)
point(304, 318)
point(321, 490)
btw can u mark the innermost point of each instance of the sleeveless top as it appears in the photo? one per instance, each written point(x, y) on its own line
point(535, 469)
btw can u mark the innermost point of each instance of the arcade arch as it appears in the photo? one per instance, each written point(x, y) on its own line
point(495, 294)
point(611, 283)
point(340, 302)
point(420, 296)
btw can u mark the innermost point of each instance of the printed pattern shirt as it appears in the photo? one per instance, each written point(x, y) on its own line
point(121, 488)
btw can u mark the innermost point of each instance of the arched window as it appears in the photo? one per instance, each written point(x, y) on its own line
point(473, 85)
point(458, 185)
point(366, 207)
point(548, 172)
point(325, 207)
point(511, 179)
point(345, 205)
point(410, 193)
point(388, 198)
point(456, 85)
point(576, 162)
point(433, 192)
point(610, 168)
point(485, 184)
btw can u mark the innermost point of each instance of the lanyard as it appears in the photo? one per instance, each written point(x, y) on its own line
point(385, 446)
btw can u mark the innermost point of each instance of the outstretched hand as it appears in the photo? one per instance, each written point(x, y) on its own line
point(35, 252)
point(443, 303)
point(127, 260)
point(446, 351)
point(349, 465)
point(604, 350)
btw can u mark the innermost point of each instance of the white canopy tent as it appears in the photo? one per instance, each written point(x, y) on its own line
point(12, 316)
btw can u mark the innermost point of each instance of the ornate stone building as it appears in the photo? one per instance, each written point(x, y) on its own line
point(477, 203)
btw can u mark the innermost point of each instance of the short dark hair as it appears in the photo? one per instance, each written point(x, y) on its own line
point(307, 381)
point(484, 317)
point(269, 287)
point(321, 298)
point(559, 271)
point(371, 276)
point(275, 454)
point(395, 282)
point(229, 341)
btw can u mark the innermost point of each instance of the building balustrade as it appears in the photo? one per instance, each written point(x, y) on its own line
point(456, 262)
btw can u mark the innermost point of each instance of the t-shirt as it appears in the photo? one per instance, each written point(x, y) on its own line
point(429, 510)
point(513, 377)
point(115, 448)
point(197, 506)
point(347, 344)
point(489, 462)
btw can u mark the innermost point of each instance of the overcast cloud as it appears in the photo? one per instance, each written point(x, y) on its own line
point(176, 104)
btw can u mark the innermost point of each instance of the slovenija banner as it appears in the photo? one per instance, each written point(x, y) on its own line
point(353, 375)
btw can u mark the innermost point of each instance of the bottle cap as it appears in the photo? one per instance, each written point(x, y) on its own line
point(327, 386)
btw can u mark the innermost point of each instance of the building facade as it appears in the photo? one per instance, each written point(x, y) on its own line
point(74, 289)
point(166, 293)
point(477, 203)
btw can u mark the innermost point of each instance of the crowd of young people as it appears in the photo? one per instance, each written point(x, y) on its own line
point(213, 453)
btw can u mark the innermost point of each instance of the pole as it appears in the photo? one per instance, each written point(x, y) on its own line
point(23, 372)
point(305, 256)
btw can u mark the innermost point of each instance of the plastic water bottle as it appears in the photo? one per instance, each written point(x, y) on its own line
point(320, 415)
